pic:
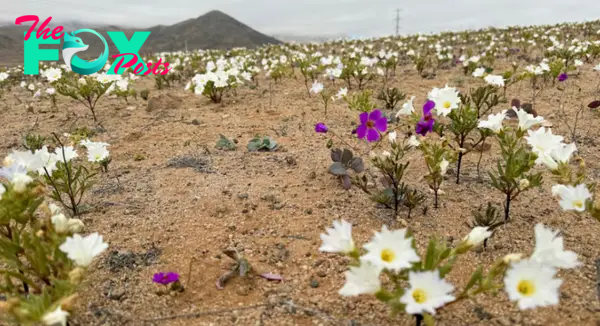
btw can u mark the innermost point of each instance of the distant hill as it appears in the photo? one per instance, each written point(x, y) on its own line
point(213, 30)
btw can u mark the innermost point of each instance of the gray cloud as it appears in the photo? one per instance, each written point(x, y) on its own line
point(315, 17)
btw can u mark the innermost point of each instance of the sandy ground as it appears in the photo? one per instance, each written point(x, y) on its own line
point(273, 206)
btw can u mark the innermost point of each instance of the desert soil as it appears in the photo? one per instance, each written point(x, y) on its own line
point(273, 206)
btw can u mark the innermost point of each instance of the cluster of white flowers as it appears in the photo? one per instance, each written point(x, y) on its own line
point(551, 151)
point(18, 170)
point(4, 76)
point(540, 69)
point(52, 74)
point(531, 282)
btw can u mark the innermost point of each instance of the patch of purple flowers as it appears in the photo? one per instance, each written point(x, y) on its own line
point(321, 128)
point(371, 124)
point(425, 125)
point(165, 278)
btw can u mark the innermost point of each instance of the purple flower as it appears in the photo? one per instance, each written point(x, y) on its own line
point(321, 128)
point(425, 125)
point(370, 125)
point(562, 77)
point(165, 278)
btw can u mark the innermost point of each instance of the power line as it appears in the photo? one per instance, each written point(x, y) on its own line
point(397, 22)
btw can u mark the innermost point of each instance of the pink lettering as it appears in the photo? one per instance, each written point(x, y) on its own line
point(130, 63)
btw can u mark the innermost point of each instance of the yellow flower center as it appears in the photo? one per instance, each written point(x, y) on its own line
point(526, 288)
point(578, 203)
point(387, 255)
point(447, 104)
point(97, 157)
point(419, 295)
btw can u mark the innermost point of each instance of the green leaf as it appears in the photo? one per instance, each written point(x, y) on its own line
point(357, 164)
point(447, 267)
point(346, 156)
point(337, 169)
point(430, 256)
point(475, 278)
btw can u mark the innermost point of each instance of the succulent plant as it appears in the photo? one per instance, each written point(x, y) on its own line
point(344, 160)
point(225, 143)
point(262, 144)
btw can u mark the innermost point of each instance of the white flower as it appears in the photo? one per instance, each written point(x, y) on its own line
point(2, 190)
point(96, 151)
point(407, 108)
point(50, 91)
point(338, 238)
point(479, 72)
point(52, 74)
point(477, 236)
point(446, 99)
point(549, 249)
point(543, 142)
point(532, 284)
point(426, 292)
point(70, 153)
point(444, 166)
point(494, 80)
point(48, 160)
point(60, 223)
point(572, 198)
point(562, 154)
point(56, 317)
point(597, 68)
point(316, 88)
point(31, 87)
point(123, 84)
point(341, 93)
point(413, 141)
point(527, 120)
point(391, 250)
point(578, 63)
point(392, 136)
point(494, 122)
point(20, 181)
point(3, 76)
point(363, 279)
point(83, 250)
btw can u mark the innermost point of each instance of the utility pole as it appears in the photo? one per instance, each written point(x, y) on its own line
point(397, 21)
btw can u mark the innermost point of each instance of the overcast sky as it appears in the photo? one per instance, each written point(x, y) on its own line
point(315, 17)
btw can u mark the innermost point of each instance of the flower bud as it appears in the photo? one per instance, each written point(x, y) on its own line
point(477, 236)
point(7, 161)
point(523, 183)
point(68, 302)
point(75, 225)
point(60, 223)
point(511, 258)
point(76, 275)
